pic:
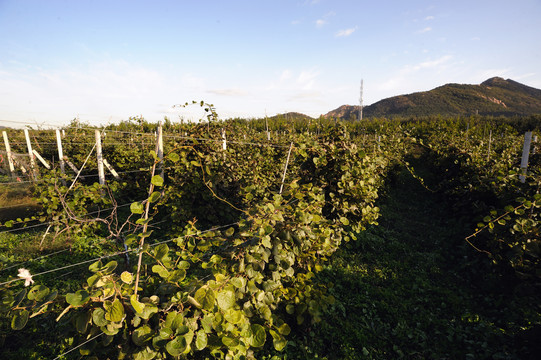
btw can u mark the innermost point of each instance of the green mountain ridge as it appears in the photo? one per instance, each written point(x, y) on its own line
point(495, 96)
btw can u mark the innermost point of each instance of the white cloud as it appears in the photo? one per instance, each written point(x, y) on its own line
point(425, 30)
point(409, 74)
point(490, 73)
point(346, 32)
point(320, 22)
point(285, 75)
point(100, 92)
point(430, 17)
point(307, 78)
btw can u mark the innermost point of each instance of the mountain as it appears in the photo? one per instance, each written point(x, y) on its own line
point(291, 116)
point(495, 96)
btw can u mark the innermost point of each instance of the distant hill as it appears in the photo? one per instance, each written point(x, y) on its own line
point(495, 96)
point(291, 116)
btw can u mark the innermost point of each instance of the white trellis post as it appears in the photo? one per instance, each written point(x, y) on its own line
point(38, 156)
point(8, 154)
point(159, 145)
point(525, 156)
point(30, 154)
point(489, 144)
point(99, 154)
point(224, 140)
point(60, 153)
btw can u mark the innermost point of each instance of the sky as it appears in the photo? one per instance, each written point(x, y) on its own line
point(103, 61)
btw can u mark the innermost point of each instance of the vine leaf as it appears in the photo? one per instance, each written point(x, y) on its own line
point(206, 298)
point(20, 319)
point(259, 336)
point(157, 180)
point(78, 298)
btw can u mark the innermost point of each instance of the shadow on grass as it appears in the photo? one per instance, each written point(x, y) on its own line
point(412, 288)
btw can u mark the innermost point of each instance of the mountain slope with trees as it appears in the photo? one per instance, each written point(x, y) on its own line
point(495, 96)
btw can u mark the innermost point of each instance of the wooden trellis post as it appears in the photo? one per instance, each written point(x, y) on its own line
point(60, 153)
point(525, 156)
point(99, 154)
point(8, 154)
point(30, 154)
point(224, 140)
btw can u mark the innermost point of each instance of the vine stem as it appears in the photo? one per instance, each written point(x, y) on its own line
point(484, 227)
point(285, 168)
point(145, 226)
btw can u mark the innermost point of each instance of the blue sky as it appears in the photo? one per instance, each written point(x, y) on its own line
point(104, 61)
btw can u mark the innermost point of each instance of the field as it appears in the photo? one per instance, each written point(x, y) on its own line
point(254, 239)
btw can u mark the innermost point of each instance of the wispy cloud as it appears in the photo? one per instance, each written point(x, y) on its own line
point(321, 23)
point(346, 32)
point(408, 74)
point(425, 30)
point(100, 92)
point(430, 17)
point(307, 78)
point(324, 20)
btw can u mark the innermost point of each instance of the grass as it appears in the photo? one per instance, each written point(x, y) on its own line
point(16, 201)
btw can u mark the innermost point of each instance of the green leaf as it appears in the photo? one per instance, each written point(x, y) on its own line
point(155, 196)
point(226, 299)
point(177, 275)
point(284, 329)
point(109, 267)
point(176, 346)
point(146, 354)
point(183, 265)
point(81, 322)
point(278, 341)
point(141, 335)
point(237, 282)
point(160, 270)
point(20, 297)
point(98, 317)
point(137, 208)
point(259, 336)
point(130, 239)
point(344, 221)
point(173, 157)
point(161, 251)
point(19, 320)
point(157, 180)
point(137, 306)
point(205, 297)
point(38, 293)
point(229, 232)
point(78, 298)
point(114, 311)
point(201, 340)
point(126, 277)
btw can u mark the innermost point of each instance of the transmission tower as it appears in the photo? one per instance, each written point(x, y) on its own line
point(361, 102)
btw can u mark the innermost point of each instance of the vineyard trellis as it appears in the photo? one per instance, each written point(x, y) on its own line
point(225, 291)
